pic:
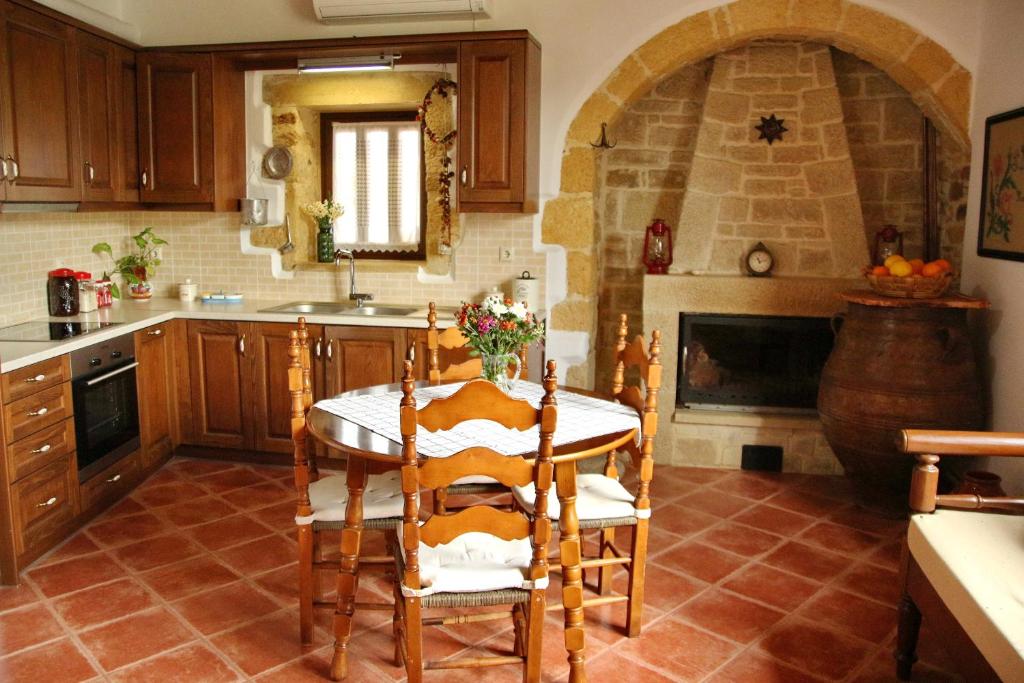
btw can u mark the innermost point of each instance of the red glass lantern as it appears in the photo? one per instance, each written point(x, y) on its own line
point(658, 247)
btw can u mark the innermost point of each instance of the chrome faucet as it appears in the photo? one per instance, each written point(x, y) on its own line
point(358, 297)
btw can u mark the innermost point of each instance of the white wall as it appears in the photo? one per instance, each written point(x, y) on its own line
point(998, 89)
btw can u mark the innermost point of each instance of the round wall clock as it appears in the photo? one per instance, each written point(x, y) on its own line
point(759, 261)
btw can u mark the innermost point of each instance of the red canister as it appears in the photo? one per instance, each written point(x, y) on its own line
point(62, 292)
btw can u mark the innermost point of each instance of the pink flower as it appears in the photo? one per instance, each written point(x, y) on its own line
point(486, 324)
point(1006, 199)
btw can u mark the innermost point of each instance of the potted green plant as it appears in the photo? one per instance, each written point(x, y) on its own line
point(137, 267)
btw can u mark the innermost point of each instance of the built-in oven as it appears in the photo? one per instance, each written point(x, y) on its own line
point(106, 404)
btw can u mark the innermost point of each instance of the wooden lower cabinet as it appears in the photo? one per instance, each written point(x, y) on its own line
point(43, 503)
point(272, 428)
point(113, 482)
point(155, 378)
point(359, 357)
point(221, 357)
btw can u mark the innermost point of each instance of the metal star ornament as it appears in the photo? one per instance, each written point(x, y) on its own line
point(771, 129)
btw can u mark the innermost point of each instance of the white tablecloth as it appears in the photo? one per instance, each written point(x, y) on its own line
point(579, 418)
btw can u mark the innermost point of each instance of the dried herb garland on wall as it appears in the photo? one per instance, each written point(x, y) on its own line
point(443, 87)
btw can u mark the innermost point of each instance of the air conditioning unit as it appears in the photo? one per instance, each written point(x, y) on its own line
point(383, 10)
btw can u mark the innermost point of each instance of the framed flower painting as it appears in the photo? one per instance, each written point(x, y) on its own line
point(1001, 227)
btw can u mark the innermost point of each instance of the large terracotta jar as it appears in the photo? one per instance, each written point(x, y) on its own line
point(897, 364)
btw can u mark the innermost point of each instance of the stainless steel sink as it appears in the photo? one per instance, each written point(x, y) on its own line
point(382, 310)
point(336, 308)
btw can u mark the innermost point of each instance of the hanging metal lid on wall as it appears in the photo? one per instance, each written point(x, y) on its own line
point(277, 162)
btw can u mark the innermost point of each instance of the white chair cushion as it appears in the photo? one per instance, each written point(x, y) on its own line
point(974, 560)
point(474, 562)
point(597, 497)
point(475, 479)
point(329, 496)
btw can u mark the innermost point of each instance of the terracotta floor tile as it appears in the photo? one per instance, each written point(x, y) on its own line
point(682, 521)
point(804, 560)
point(194, 663)
point(261, 555)
point(188, 577)
point(199, 511)
point(163, 476)
point(882, 669)
point(75, 574)
point(713, 502)
point(229, 531)
point(873, 582)
point(283, 584)
point(837, 488)
point(224, 608)
point(754, 667)
point(128, 529)
point(806, 503)
point(888, 555)
point(849, 613)
point(839, 538)
point(812, 648)
point(125, 506)
point(17, 596)
point(103, 603)
point(136, 637)
point(872, 523)
point(774, 520)
point(76, 546)
point(168, 493)
point(199, 468)
point(230, 480)
point(316, 668)
point(663, 589)
point(729, 615)
point(265, 643)
point(740, 539)
point(611, 666)
point(697, 475)
point(699, 560)
point(279, 517)
point(687, 652)
point(260, 496)
point(771, 586)
point(26, 626)
point(748, 485)
point(59, 661)
point(156, 552)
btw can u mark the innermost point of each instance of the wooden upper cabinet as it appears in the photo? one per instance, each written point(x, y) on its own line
point(126, 188)
point(176, 129)
point(40, 107)
point(499, 117)
point(98, 77)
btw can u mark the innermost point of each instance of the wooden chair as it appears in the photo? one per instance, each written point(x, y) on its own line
point(452, 340)
point(961, 564)
point(480, 556)
point(322, 500)
point(602, 502)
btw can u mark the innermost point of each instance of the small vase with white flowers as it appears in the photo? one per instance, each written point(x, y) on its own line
point(324, 213)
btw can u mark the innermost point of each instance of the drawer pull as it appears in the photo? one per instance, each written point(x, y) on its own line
point(42, 449)
point(38, 378)
point(155, 333)
point(48, 503)
point(114, 479)
point(36, 413)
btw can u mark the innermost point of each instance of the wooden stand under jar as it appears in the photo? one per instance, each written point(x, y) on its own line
point(897, 364)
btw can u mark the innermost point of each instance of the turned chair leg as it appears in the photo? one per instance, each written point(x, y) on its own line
point(306, 542)
point(637, 578)
point(607, 573)
point(534, 636)
point(906, 637)
point(413, 626)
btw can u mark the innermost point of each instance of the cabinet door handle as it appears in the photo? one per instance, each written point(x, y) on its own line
point(38, 378)
point(114, 479)
point(155, 333)
point(37, 413)
point(51, 501)
point(241, 345)
point(318, 348)
point(90, 171)
point(464, 176)
point(330, 351)
point(15, 171)
point(145, 178)
point(3, 168)
point(42, 449)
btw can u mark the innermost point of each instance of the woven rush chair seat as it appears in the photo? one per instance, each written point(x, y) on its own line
point(328, 497)
point(601, 502)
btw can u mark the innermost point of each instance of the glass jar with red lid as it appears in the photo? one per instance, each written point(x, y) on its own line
point(87, 299)
point(62, 292)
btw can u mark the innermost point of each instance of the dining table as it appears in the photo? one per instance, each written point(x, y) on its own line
point(363, 425)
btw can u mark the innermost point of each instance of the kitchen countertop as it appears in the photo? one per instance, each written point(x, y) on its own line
point(136, 315)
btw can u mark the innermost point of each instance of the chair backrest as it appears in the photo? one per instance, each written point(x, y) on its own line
point(300, 390)
point(451, 339)
point(647, 362)
point(477, 399)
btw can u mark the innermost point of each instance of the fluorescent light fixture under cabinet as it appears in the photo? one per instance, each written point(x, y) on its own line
point(335, 64)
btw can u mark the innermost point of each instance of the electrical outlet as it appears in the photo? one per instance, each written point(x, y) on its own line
point(505, 254)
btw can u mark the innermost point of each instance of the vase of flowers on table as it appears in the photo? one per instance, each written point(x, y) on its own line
point(324, 213)
point(497, 329)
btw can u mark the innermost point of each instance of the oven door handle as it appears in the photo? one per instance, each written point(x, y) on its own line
point(102, 378)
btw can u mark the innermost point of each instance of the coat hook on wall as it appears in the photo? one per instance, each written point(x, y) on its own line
point(602, 142)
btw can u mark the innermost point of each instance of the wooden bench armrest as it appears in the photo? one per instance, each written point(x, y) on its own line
point(1006, 444)
point(972, 501)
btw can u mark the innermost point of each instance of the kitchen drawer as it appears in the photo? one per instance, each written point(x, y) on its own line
point(43, 502)
point(30, 379)
point(27, 455)
point(42, 409)
point(111, 483)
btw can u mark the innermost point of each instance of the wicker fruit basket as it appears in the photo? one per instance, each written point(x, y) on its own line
point(910, 287)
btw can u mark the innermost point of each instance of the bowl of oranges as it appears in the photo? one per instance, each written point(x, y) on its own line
point(913, 279)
